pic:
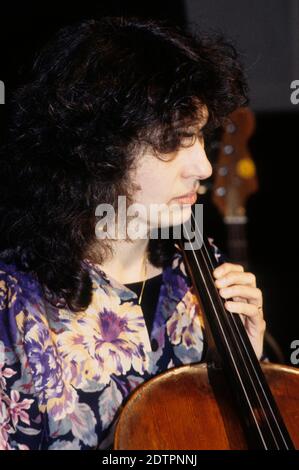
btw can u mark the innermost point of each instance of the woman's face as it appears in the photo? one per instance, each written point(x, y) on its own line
point(163, 182)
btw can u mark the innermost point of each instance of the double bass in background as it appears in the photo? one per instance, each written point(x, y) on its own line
point(232, 401)
point(235, 180)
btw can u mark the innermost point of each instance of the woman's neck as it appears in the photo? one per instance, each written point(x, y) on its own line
point(126, 265)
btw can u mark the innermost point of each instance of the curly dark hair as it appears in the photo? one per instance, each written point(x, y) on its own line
point(98, 93)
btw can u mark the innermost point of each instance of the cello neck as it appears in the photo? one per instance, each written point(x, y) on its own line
point(257, 407)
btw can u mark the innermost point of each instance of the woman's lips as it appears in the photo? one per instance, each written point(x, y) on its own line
point(187, 199)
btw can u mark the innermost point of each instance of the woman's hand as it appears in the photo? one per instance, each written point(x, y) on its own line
point(247, 300)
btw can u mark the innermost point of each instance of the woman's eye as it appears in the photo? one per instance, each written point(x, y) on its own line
point(188, 135)
point(190, 138)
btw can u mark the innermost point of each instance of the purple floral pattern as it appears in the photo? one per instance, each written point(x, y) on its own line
point(64, 376)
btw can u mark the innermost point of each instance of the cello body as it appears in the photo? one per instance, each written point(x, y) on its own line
point(179, 409)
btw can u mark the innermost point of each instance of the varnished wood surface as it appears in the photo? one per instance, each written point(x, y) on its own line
point(178, 410)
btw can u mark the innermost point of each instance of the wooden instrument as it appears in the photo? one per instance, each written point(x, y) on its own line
point(231, 401)
point(235, 181)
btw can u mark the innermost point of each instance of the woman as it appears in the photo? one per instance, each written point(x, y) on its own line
point(114, 108)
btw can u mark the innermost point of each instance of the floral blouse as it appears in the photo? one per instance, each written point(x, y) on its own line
point(64, 375)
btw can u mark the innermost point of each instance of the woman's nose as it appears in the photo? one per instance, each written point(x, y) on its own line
point(197, 163)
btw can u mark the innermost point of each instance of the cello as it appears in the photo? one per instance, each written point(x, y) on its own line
point(232, 401)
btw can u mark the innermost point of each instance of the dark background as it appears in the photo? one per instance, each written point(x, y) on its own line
point(267, 35)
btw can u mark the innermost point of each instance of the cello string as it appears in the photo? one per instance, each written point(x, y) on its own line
point(231, 354)
point(233, 318)
point(241, 353)
point(248, 375)
point(247, 353)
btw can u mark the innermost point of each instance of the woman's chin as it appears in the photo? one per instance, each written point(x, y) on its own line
point(177, 214)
